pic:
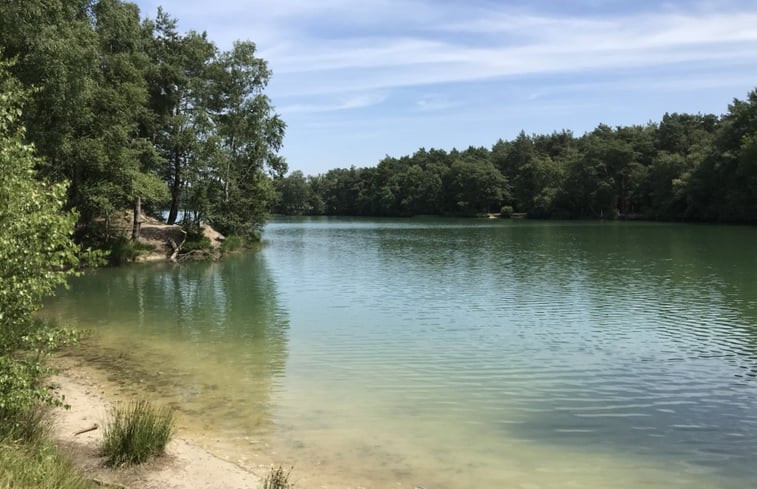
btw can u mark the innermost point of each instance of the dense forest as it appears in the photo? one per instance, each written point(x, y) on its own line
point(133, 113)
point(130, 112)
point(686, 167)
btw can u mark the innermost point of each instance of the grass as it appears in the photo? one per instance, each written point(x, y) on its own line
point(29, 460)
point(136, 432)
point(37, 465)
point(278, 479)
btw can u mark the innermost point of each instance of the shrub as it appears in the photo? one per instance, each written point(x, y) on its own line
point(136, 432)
point(196, 240)
point(232, 243)
point(202, 243)
point(124, 250)
point(278, 479)
point(506, 211)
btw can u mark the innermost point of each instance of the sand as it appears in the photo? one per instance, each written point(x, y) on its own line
point(185, 464)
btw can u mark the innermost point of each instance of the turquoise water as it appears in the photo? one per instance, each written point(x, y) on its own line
point(452, 353)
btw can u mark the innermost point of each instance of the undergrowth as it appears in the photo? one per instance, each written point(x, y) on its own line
point(29, 460)
point(232, 243)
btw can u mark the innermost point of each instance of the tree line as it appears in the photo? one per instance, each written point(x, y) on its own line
point(132, 112)
point(689, 167)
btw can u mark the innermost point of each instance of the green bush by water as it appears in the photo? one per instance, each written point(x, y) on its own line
point(201, 243)
point(232, 243)
point(124, 250)
point(136, 432)
point(278, 479)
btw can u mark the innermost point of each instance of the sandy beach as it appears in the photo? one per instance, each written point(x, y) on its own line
point(185, 464)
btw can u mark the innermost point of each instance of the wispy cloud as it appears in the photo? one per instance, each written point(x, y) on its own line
point(411, 70)
point(349, 102)
point(345, 45)
point(434, 102)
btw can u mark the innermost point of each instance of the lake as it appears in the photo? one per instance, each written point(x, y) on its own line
point(449, 353)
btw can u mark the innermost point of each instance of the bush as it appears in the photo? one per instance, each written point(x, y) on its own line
point(232, 243)
point(196, 240)
point(136, 433)
point(202, 243)
point(506, 211)
point(124, 250)
point(278, 479)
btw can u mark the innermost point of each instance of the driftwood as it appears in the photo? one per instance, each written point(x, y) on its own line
point(103, 483)
point(175, 249)
point(87, 430)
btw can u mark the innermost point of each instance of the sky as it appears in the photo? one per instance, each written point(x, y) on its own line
point(356, 80)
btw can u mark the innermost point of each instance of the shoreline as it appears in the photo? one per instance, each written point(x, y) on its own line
point(185, 465)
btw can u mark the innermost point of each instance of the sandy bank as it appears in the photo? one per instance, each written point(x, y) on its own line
point(185, 464)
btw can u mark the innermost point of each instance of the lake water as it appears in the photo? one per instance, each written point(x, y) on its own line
point(451, 353)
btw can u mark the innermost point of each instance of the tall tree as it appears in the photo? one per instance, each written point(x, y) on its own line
point(250, 135)
point(177, 79)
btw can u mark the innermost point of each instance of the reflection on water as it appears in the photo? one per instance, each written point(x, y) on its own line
point(449, 353)
point(208, 338)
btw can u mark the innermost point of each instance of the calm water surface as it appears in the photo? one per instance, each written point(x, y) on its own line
point(452, 353)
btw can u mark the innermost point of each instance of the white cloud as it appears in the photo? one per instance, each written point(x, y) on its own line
point(348, 102)
point(342, 45)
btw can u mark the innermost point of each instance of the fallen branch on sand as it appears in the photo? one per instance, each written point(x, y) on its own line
point(87, 430)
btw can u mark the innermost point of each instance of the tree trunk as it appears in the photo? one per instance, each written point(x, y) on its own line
point(137, 228)
point(173, 212)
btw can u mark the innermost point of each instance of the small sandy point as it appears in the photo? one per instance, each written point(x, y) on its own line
point(185, 465)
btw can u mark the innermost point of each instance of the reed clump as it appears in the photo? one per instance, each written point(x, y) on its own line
point(278, 479)
point(136, 432)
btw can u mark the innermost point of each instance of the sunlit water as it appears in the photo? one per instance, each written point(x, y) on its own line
point(452, 353)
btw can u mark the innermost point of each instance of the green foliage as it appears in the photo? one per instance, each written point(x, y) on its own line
point(37, 255)
point(506, 211)
point(278, 479)
point(37, 465)
point(200, 243)
point(293, 195)
point(196, 240)
point(232, 243)
point(687, 167)
point(124, 109)
point(136, 432)
point(121, 250)
point(22, 368)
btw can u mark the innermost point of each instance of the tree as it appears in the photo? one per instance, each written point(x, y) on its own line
point(249, 135)
point(177, 79)
point(293, 194)
point(476, 186)
point(37, 255)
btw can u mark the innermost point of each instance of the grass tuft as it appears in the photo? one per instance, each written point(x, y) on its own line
point(278, 479)
point(136, 432)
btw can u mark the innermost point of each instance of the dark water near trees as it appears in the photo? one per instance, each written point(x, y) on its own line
point(454, 353)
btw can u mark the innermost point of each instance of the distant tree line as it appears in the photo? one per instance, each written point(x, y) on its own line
point(132, 112)
point(686, 167)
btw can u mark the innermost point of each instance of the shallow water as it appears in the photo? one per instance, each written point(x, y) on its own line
point(452, 353)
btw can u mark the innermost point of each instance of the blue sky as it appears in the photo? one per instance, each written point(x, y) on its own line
point(356, 80)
